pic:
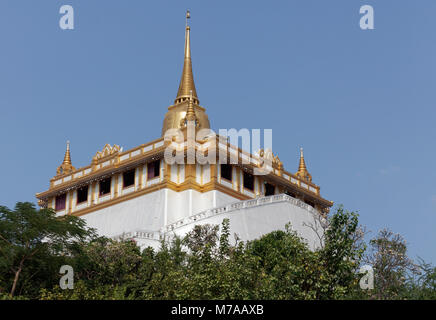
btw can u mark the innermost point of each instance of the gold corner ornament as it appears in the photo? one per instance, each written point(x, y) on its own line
point(107, 151)
point(268, 155)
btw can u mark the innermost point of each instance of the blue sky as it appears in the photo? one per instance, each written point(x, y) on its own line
point(361, 103)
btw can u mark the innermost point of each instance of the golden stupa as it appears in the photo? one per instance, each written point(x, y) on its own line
point(177, 112)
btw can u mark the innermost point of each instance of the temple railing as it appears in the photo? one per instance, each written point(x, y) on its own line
point(147, 235)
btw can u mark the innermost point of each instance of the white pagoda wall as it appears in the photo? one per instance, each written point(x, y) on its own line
point(188, 202)
point(153, 211)
point(146, 212)
point(253, 222)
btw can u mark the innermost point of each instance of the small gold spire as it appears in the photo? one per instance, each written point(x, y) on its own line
point(302, 166)
point(67, 157)
point(302, 169)
point(66, 165)
point(187, 81)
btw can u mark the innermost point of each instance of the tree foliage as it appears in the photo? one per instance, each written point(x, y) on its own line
point(202, 265)
point(32, 245)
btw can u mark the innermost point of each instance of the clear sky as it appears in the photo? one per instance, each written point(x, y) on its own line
point(361, 103)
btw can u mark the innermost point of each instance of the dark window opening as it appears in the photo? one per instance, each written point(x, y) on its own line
point(269, 189)
point(226, 171)
point(129, 178)
point(248, 181)
point(310, 203)
point(105, 186)
point(153, 169)
point(60, 202)
point(289, 193)
point(82, 194)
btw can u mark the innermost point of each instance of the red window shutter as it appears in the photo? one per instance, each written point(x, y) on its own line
point(60, 202)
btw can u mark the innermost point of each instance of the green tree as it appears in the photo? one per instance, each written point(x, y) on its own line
point(288, 267)
point(32, 241)
point(342, 253)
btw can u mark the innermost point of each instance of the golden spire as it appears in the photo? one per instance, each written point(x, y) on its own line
point(66, 165)
point(302, 169)
point(187, 82)
point(67, 157)
point(187, 98)
point(302, 166)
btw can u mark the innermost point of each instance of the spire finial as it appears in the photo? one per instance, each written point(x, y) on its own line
point(188, 16)
point(302, 169)
point(302, 166)
point(187, 81)
point(67, 157)
point(66, 165)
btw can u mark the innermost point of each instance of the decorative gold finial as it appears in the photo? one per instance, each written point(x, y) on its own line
point(302, 169)
point(188, 16)
point(302, 166)
point(108, 150)
point(66, 165)
point(187, 81)
point(190, 112)
point(67, 157)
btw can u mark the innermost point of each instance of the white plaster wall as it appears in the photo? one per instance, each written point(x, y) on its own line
point(181, 173)
point(253, 222)
point(206, 173)
point(177, 173)
point(141, 213)
point(144, 175)
point(151, 212)
point(222, 198)
point(112, 187)
point(174, 169)
point(188, 202)
point(177, 205)
point(198, 173)
point(201, 201)
point(74, 202)
point(136, 183)
point(120, 183)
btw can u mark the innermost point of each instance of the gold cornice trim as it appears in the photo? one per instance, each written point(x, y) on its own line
point(284, 182)
point(119, 199)
point(190, 173)
point(186, 102)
